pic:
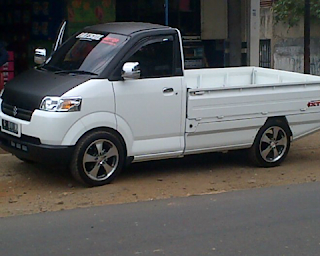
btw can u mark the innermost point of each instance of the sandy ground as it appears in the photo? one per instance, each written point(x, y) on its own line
point(27, 189)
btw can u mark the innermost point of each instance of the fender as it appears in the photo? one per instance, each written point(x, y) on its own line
point(301, 127)
point(87, 123)
point(124, 129)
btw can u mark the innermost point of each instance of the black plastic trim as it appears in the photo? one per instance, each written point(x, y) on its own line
point(139, 39)
point(19, 113)
point(30, 148)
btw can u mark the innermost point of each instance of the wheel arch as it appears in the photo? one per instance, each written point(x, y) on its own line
point(107, 129)
point(100, 120)
point(282, 119)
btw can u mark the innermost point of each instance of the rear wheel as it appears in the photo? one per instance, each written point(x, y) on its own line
point(98, 158)
point(271, 144)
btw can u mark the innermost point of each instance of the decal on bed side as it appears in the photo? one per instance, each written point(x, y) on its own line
point(314, 103)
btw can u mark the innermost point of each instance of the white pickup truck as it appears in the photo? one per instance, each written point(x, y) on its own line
point(118, 92)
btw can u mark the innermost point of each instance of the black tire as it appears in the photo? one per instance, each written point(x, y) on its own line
point(271, 144)
point(98, 158)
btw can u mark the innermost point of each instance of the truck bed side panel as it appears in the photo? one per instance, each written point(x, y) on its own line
point(229, 118)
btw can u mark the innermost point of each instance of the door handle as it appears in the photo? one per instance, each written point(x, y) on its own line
point(167, 90)
point(199, 93)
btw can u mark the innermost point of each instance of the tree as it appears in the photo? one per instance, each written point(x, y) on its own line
point(292, 11)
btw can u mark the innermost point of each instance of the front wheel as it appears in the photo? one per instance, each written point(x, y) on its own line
point(271, 144)
point(98, 158)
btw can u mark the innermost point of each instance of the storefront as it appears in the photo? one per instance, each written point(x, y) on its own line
point(187, 15)
point(27, 24)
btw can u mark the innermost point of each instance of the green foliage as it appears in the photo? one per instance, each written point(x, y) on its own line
point(291, 11)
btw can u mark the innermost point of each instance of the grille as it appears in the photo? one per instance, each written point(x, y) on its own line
point(16, 112)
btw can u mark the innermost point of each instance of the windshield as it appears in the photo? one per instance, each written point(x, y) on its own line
point(86, 53)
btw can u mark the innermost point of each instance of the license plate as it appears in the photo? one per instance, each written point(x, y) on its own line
point(10, 127)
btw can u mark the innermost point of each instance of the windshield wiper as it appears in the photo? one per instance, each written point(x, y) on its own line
point(50, 68)
point(81, 72)
point(41, 68)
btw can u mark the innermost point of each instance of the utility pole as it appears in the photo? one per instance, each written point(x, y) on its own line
point(307, 37)
point(234, 32)
point(254, 32)
point(166, 7)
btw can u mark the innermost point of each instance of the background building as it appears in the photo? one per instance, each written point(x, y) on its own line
point(282, 47)
point(215, 33)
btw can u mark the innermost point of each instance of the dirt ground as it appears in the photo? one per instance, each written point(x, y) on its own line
point(27, 189)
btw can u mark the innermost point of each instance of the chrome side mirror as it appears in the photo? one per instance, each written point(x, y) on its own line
point(131, 70)
point(40, 56)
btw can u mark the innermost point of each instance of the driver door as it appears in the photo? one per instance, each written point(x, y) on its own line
point(151, 106)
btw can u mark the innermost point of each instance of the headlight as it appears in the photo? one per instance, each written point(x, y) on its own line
point(57, 104)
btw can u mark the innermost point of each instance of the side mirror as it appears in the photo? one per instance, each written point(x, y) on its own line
point(131, 70)
point(40, 56)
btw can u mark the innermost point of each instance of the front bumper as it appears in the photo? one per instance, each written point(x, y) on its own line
point(30, 148)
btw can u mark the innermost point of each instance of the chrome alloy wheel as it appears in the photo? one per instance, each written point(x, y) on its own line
point(100, 160)
point(273, 144)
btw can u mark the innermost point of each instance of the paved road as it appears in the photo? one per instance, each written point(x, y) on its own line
point(258, 222)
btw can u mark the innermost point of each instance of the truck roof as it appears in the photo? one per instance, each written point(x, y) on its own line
point(125, 28)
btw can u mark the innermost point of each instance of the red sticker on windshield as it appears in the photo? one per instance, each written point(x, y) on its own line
point(110, 40)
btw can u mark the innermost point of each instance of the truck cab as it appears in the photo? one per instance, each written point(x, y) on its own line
point(120, 79)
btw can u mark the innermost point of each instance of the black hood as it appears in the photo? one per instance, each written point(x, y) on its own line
point(27, 90)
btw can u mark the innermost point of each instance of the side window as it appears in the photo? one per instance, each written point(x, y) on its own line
point(155, 59)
